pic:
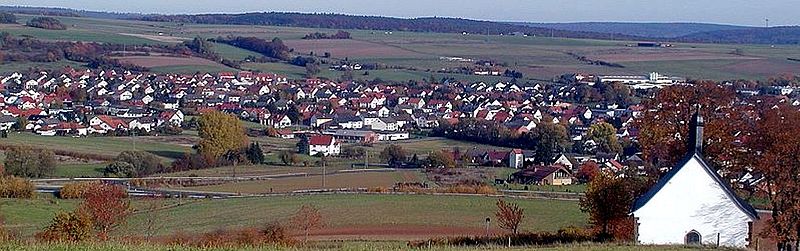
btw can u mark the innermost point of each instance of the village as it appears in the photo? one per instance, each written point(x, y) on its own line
point(328, 114)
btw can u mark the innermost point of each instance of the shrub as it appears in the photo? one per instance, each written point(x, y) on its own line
point(139, 164)
point(72, 226)
point(563, 236)
point(48, 23)
point(272, 234)
point(7, 18)
point(13, 187)
point(30, 162)
point(75, 190)
point(378, 190)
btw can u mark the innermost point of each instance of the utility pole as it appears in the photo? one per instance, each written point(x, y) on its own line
point(133, 138)
point(324, 172)
point(366, 159)
point(767, 22)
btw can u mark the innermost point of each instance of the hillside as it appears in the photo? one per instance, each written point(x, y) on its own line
point(654, 30)
point(340, 21)
point(772, 35)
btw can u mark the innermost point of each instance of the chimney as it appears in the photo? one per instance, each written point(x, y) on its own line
point(696, 133)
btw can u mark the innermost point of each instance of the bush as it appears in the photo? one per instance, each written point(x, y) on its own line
point(48, 23)
point(7, 18)
point(29, 162)
point(272, 234)
point(72, 227)
point(134, 164)
point(75, 190)
point(13, 187)
point(563, 236)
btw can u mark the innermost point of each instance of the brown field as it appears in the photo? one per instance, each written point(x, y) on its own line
point(659, 54)
point(160, 61)
point(333, 181)
point(349, 48)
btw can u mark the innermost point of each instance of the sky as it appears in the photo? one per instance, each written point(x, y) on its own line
point(740, 12)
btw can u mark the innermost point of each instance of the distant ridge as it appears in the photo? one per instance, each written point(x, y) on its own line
point(654, 30)
point(663, 32)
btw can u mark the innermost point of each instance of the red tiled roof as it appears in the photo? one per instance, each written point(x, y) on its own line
point(321, 140)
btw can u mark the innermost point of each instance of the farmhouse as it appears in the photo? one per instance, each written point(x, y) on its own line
point(323, 144)
point(543, 175)
point(692, 205)
point(353, 136)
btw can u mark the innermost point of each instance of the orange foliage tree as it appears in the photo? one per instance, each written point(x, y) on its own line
point(306, 219)
point(588, 171)
point(108, 207)
point(509, 215)
point(775, 149)
point(664, 126)
point(68, 226)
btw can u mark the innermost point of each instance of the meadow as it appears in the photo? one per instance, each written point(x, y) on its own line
point(539, 58)
point(393, 215)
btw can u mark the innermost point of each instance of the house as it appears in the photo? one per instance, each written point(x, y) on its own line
point(323, 144)
point(173, 118)
point(285, 134)
point(693, 205)
point(353, 136)
point(279, 121)
point(557, 175)
point(6, 122)
point(516, 159)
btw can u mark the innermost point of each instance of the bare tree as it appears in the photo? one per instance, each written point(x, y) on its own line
point(509, 215)
point(306, 219)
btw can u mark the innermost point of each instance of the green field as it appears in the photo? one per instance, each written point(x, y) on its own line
point(539, 58)
point(28, 216)
point(110, 146)
point(80, 170)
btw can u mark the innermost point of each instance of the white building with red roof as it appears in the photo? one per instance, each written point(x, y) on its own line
point(324, 144)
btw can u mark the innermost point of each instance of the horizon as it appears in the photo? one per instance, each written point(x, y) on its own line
point(597, 11)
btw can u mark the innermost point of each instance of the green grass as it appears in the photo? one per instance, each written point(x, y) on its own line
point(191, 69)
point(9, 67)
point(80, 170)
point(110, 146)
point(234, 53)
point(27, 216)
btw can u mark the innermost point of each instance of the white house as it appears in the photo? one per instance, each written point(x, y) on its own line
point(692, 205)
point(324, 144)
point(516, 159)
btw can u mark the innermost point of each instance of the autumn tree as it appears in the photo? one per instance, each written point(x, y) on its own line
point(509, 215)
point(608, 201)
point(394, 154)
point(307, 218)
point(441, 159)
point(29, 162)
point(219, 133)
point(605, 135)
point(588, 171)
point(776, 155)
point(107, 206)
point(664, 126)
point(130, 164)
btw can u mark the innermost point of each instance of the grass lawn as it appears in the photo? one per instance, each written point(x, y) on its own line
point(332, 181)
point(426, 145)
point(202, 215)
point(191, 69)
point(80, 170)
point(233, 52)
point(110, 146)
